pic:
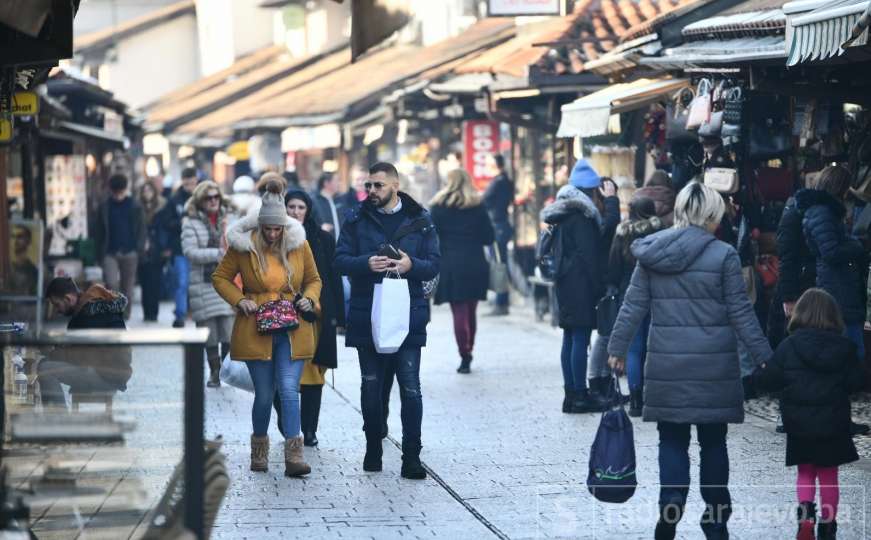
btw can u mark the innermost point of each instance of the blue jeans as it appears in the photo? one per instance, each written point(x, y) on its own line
point(856, 333)
point(674, 471)
point(376, 371)
point(182, 276)
point(637, 355)
point(282, 373)
point(574, 358)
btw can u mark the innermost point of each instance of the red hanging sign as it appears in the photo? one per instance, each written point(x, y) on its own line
point(481, 141)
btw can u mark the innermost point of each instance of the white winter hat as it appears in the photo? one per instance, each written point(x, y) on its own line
point(243, 184)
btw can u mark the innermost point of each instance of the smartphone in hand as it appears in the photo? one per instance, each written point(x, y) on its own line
point(390, 252)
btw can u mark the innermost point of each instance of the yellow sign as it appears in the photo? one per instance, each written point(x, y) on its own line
point(5, 130)
point(239, 151)
point(25, 104)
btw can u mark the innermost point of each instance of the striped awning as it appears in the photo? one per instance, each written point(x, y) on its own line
point(819, 30)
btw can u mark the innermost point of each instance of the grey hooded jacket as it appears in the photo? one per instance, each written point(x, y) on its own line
point(691, 285)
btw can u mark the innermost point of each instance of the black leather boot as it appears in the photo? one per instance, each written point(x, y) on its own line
point(636, 403)
point(465, 363)
point(806, 514)
point(585, 402)
point(714, 523)
point(310, 410)
point(669, 516)
point(374, 452)
point(568, 400)
point(412, 468)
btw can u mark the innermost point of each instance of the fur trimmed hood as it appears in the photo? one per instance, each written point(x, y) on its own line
point(239, 233)
point(571, 200)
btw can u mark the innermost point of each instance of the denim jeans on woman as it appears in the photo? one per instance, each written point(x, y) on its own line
point(377, 372)
point(636, 356)
point(674, 472)
point(576, 341)
point(281, 373)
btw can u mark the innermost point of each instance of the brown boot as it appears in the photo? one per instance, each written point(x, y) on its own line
point(259, 453)
point(293, 460)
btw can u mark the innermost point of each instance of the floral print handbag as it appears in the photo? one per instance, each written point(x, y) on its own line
point(276, 317)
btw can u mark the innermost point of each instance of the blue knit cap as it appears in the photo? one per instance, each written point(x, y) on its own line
point(583, 176)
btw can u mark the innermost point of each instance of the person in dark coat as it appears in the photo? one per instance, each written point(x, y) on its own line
point(642, 222)
point(323, 246)
point(151, 263)
point(326, 210)
point(840, 259)
point(815, 369)
point(581, 217)
point(498, 198)
point(85, 369)
point(389, 217)
point(658, 187)
point(464, 231)
point(690, 284)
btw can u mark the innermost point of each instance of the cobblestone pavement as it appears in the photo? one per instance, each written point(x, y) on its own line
point(505, 462)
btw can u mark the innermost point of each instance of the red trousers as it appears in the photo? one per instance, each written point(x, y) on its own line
point(465, 324)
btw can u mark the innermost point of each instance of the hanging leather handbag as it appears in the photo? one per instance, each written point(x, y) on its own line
point(722, 179)
point(768, 268)
point(733, 114)
point(276, 317)
point(713, 127)
point(700, 108)
point(607, 309)
point(676, 113)
point(499, 279)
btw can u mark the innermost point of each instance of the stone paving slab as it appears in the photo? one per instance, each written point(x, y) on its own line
point(509, 463)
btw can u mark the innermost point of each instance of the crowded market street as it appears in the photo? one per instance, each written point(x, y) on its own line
point(503, 464)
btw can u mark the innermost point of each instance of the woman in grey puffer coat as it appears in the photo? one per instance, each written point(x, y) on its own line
point(207, 213)
point(691, 285)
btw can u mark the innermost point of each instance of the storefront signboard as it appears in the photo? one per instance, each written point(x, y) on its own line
point(5, 130)
point(25, 104)
point(512, 8)
point(480, 141)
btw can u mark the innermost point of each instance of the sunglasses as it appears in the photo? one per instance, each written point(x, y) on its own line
point(215, 197)
point(368, 186)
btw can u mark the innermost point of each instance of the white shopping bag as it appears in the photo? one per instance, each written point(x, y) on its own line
point(391, 314)
point(236, 374)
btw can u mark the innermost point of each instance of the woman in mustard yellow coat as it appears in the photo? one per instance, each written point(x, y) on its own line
point(271, 254)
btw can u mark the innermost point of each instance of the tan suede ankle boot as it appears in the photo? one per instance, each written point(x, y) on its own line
point(293, 458)
point(259, 453)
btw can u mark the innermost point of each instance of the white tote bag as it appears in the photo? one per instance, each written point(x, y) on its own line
point(236, 374)
point(391, 315)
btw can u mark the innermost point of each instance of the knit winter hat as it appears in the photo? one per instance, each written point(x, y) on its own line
point(273, 211)
point(583, 176)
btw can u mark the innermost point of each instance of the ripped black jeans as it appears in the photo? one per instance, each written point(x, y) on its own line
point(375, 369)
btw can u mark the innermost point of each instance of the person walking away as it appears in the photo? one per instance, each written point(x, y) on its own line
point(120, 237)
point(815, 369)
point(325, 209)
point(658, 187)
point(464, 231)
point(275, 262)
point(244, 196)
point(642, 222)
point(498, 198)
point(581, 216)
point(151, 264)
point(690, 284)
point(388, 217)
point(207, 214)
point(175, 214)
point(323, 246)
point(85, 369)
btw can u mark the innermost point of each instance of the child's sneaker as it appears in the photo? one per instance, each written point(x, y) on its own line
point(807, 517)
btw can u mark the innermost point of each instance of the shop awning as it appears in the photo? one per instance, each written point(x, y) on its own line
point(819, 30)
point(720, 52)
point(94, 132)
point(589, 115)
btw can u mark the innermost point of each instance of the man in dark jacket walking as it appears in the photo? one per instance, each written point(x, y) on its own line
point(83, 369)
point(174, 212)
point(498, 199)
point(120, 237)
point(325, 208)
point(388, 218)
